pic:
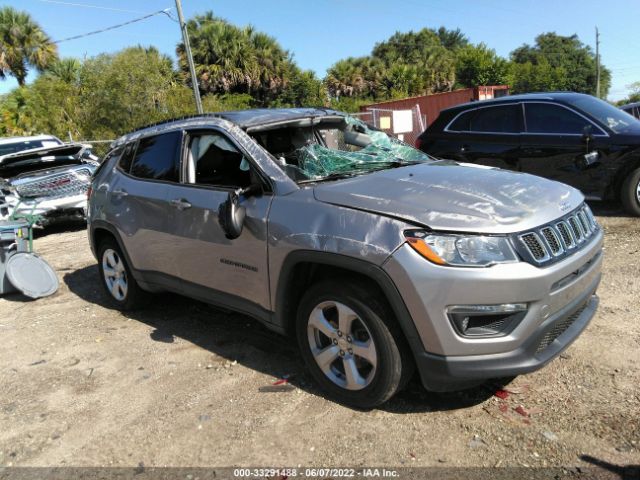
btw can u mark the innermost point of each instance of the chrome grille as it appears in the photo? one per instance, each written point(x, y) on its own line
point(535, 246)
point(586, 228)
point(551, 242)
point(63, 184)
point(565, 234)
point(575, 229)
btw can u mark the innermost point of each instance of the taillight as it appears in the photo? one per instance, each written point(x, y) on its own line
point(89, 192)
point(418, 143)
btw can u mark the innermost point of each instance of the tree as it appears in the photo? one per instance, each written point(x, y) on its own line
point(452, 39)
point(554, 56)
point(123, 91)
point(634, 96)
point(434, 63)
point(480, 65)
point(539, 77)
point(230, 59)
point(107, 96)
point(413, 63)
point(23, 45)
point(66, 69)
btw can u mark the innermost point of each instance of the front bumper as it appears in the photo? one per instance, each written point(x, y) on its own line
point(560, 302)
point(51, 210)
point(440, 373)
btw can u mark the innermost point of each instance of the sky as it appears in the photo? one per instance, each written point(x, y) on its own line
point(320, 32)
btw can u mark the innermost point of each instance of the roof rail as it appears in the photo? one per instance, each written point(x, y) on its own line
point(177, 119)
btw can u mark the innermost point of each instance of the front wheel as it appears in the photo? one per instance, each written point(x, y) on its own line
point(351, 344)
point(630, 194)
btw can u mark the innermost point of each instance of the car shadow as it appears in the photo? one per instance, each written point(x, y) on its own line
point(626, 472)
point(608, 209)
point(60, 227)
point(236, 337)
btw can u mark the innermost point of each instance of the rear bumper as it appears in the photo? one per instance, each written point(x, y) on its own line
point(441, 373)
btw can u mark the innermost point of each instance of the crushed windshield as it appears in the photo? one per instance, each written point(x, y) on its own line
point(335, 146)
point(614, 118)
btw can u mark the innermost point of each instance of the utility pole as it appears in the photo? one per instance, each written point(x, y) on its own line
point(597, 63)
point(187, 50)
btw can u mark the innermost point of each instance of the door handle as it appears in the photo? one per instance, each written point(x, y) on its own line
point(120, 193)
point(464, 148)
point(180, 203)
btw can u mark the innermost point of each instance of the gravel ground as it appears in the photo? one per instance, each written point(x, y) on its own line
point(179, 384)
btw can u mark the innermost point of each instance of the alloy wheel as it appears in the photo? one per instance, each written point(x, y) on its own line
point(115, 274)
point(342, 345)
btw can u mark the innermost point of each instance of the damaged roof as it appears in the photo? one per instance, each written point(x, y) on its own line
point(242, 118)
point(261, 116)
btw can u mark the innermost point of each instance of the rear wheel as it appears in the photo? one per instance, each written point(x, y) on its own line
point(630, 194)
point(121, 288)
point(351, 344)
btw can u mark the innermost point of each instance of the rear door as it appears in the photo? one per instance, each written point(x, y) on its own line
point(138, 202)
point(487, 136)
point(211, 266)
point(554, 146)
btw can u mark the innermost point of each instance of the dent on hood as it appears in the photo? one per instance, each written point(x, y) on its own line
point(449, 196)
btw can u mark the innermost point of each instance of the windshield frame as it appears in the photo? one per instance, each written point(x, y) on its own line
point(353, 124)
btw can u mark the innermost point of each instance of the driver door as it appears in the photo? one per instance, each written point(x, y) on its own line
point(211, 266)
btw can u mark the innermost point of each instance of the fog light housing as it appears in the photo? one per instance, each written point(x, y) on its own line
point(486, 320)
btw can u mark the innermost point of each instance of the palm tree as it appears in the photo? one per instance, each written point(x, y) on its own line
point(65, 69)
point(23, 44)
point(225, 61)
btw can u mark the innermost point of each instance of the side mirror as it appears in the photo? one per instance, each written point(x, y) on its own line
point(231, 214)
point(587, 134)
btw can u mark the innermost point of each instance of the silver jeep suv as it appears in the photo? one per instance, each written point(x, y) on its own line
point(377, 257)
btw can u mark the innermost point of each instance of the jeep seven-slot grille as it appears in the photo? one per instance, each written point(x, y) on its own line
point(550, 242)
point(565, 234)
point(534, 245)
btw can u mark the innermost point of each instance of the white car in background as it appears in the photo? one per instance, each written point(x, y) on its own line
point(41, 175)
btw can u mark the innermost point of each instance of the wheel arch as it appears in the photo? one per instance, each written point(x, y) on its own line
point(303, 268)
point(614, 191)
point(102, 230)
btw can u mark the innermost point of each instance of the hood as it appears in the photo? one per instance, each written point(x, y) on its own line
point(451, 196)
point(26, 161)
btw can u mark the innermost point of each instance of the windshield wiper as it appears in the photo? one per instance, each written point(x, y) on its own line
point(333, 176)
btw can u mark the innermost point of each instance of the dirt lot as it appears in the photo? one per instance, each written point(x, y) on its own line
point(178, 384)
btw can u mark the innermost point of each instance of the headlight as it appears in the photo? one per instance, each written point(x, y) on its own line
point(461, 250)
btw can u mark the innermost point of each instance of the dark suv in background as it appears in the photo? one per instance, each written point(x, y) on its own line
point(573, 138)
point(632, 109)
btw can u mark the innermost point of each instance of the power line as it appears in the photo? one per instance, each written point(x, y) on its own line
point(100, 7)
point(95, 32)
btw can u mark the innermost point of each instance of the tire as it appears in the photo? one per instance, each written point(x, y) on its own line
point(371, 348)
point(630, 194)
point(121, 288)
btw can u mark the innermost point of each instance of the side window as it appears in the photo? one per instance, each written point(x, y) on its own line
point(112, 155)
point(504, 119)
point(461, 124)
point(214, 160)
point(158, 157)
point(553, 119)
point(127, 156)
